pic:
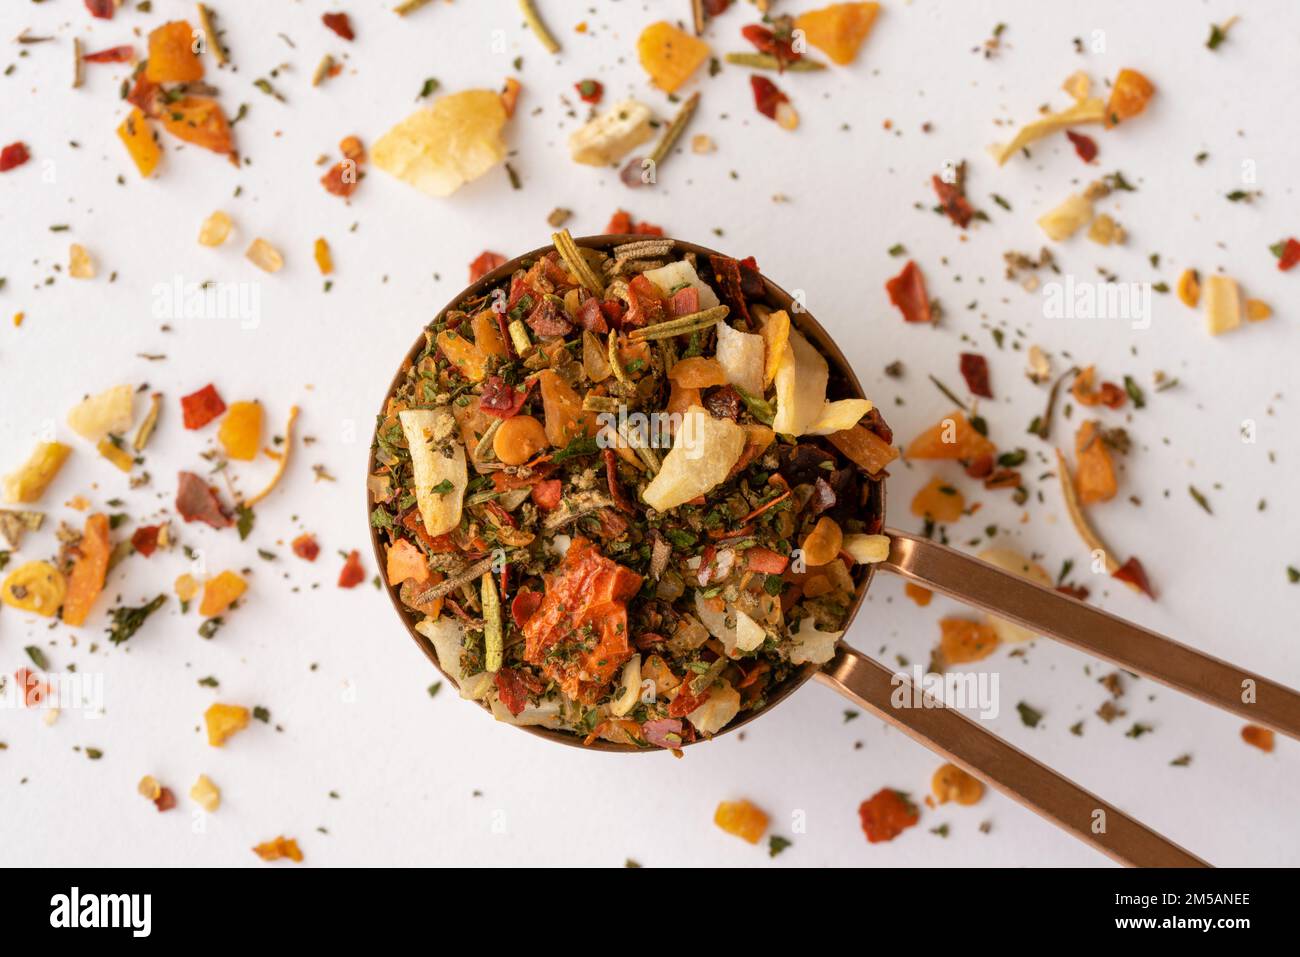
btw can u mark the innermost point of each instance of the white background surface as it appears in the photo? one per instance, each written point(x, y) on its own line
point(424, 781)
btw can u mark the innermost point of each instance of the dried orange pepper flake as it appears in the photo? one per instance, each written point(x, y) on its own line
point(224, 720)
point(324, 260)
point(221, 592)
point(241, 430)
point(741, 818)
point(281, 847)
point(951, 783)
point(919, 594)
point(1258, 737)
point(962, 641)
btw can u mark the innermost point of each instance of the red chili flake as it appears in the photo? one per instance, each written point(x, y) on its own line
point(1085, 146)
point(501, 399)
point(305, 546)
point(886, 814)
point(729, 282)
point(103, 9)
point(591, 317)
point(512, 690)
point(766, 96)
point(589, 91)
point(15, 154)
point(145, 539)
point(907, 292)
point(342, 179)
point(197, 502)
point(526, 602)
point(144, 94)
point(622, 223)
point(484, 264)
point(615, 486)
point(200, 408)
point(340, 24)
point(645, 305)
point(685, 702)
point(165, 800)
point(1133, 573)
point(975, 370)
point(353, 574)
point(112, 55)
point(1290, 255)
point(34, 689)
point(952, 198)
point(765, 41)
point(546, 495)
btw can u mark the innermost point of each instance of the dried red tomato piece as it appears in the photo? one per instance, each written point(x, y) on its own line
point(777, 45)
point(200, 408)
point(103, 9)
point(145, 539)
point(112, 55)
point(1132, 573)
point(342, 179)
point(621, 222)
point(645, 306)
point(484, 264)
point(15, 154)
point(511, 690)
point(546, 494)
point(526, 602)
point(197, 502)
point(1084, 146)
point(728, 281)
point(886, 814)
point(589, 91)
point(501, 399)
point(766, 96)
point(591, 317)
point(907, 292)
point(975, 370)
point(1290, 255)
point(144, 94)
point(353, 573)
point(165, 800)
point(952, 199)
point(340, 24)
point(304, 546)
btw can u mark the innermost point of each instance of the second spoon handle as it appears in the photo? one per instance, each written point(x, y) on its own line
point(1049, 612)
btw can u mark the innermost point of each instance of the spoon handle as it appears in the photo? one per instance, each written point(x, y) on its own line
point(952, 735)
point(1083, 626)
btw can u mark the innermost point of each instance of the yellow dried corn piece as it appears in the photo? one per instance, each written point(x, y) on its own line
point(215, 229)
point(206, 794)
point(224, 720)
point(264, 256)
point(80, 263)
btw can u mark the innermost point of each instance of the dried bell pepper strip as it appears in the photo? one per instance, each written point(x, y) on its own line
point(907, 292)
point(975, 370)
point(772, 103)
point(1085, 146)
point(282, 464)
point(776, 45)
point(201, 407)
point(353, 573)
point(340, 24)
point(13, 155)
point(120, 54)
point(622, 223)
point(886, 814)
point(87, 578)
point(1289, 255)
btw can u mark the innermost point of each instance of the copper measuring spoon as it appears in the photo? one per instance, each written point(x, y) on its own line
point(1044, 611)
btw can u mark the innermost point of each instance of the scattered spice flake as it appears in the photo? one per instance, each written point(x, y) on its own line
point(278, 849)
point(1182, 761)
point(201, 407)
point(264, 256)
point(340, 24)
point(952, 197)
point(15, 154)
point(1132, 573)
point(1287, 253)
point(886, 814)
point(1200, 499)
point(1084, 146)
point(776, 844)
point(484, 264)
point(1138, 730)
point(590, 91)
point(907, 292)
point(165, 800)
point(145, 539)
point(742, 819)
point(127, 621)
point(321, 253)
point(975, 370)
point(353, 573)
point(1029, 716)
point(1258, 737)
